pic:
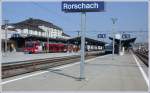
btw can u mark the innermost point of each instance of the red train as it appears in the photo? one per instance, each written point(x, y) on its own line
point(39, 47)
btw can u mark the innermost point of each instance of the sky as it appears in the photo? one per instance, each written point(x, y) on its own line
point(131, 16)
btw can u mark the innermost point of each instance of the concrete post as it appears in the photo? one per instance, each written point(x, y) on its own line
point(83, 28)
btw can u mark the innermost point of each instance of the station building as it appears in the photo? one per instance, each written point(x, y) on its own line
point(28, 29)
point(39, 28)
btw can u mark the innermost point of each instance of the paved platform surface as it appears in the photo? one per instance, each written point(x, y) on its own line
point(102, 74)
point(20, 56)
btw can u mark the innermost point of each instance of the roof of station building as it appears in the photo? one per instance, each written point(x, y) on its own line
point(26, 26)
point(38, 22)
point(33, 24)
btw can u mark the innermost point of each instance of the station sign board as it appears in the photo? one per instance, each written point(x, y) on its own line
point(101, 36)
point(82, 6)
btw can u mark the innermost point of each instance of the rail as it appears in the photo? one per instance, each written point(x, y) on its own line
point(143, 56)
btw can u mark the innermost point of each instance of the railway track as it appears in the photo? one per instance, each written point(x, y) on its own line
point(142, 56)
point(22, 67)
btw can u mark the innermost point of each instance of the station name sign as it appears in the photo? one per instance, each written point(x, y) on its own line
point(82, 6)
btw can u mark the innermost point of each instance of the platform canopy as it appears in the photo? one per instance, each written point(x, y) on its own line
point(43, 39)
point(76, 40)
point(88, 41)
point(124, 42)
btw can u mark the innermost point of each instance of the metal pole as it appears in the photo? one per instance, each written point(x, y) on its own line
point(83, 28)
point(6, 24)
point(120, 45)
point(47, 41)
point(113, 43)
point(114, 21)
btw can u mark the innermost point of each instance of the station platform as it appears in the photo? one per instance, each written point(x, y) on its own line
point(102, 74)
point(20, 56)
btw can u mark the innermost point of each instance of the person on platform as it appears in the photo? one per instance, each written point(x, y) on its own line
point(12, 48)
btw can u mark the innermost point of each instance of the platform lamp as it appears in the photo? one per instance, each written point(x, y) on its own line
point(114, 20)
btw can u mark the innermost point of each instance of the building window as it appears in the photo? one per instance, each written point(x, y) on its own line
point(26, 31)
point(34, 32)
point(40, 34)
point(31, 32)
